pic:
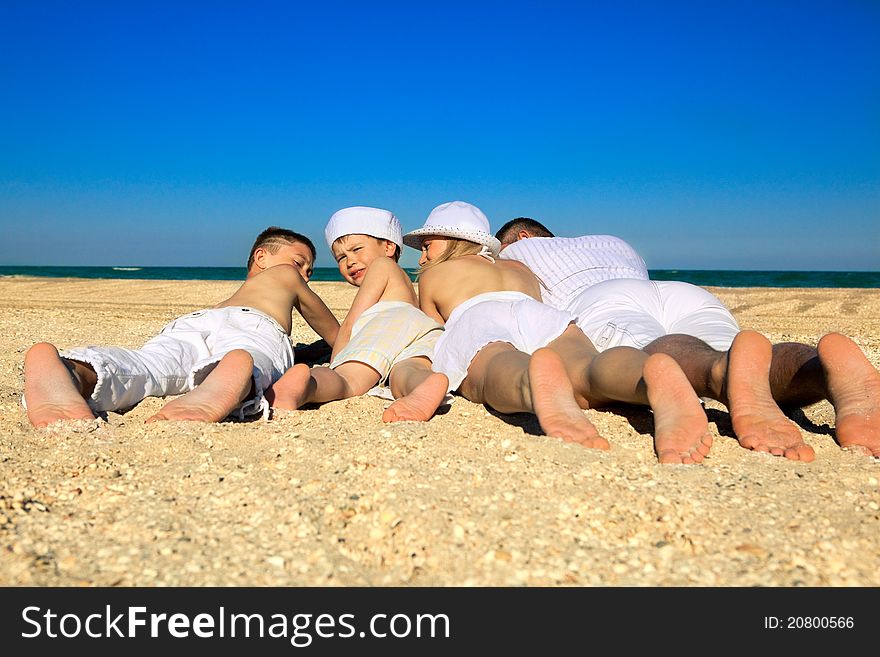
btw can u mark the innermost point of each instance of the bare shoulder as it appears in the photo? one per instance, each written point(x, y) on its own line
point(284, 275)
point(432, 274)
point(386, 268)
point(513, 265)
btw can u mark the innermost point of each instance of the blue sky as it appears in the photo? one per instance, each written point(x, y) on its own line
point(710, 135)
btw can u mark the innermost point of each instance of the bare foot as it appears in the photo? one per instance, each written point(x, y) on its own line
point(291, 390)
point(758, 423)
point(554, 404)
point(854, 386)
point(420, 404)
point(681, 430)
point(50, 391)
point(213, 399)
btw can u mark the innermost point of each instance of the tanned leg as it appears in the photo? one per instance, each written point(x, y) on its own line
point(796, 375)
point(704, 366)
point(512, 382)
point(681, 431)
point(553, 401)
point(577, 353)
point(625, 374)
point(418, 391)
point(758, 422)
point(293, 389)
point(222, 390)
point(51, 390)
point(854, 386)
point(302, 385)
point(747, 381)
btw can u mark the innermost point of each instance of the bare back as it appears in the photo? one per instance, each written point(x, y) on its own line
point(276, 291)
point(450, 283)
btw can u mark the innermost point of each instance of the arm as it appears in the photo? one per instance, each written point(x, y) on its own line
point(370, 292)
point(310, 305)
point(317, 315)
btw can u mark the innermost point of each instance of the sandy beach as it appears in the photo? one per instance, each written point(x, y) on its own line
point(331, 496)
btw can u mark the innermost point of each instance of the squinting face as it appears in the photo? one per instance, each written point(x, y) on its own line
point(432, 248)
point(355, 253)
point(296, 254)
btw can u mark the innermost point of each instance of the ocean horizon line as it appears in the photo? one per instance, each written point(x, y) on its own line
point(702, 277)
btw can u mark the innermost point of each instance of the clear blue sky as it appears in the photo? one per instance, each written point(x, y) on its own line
point(717, 135)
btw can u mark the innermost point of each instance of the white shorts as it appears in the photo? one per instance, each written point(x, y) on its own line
point(184, 353)
point(633, 313)
point(389, 332)
point(511, 317)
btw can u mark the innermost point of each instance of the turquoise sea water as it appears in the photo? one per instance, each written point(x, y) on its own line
point(720, 278)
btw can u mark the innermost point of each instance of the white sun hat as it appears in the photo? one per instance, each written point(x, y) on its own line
point(455, 219)
point(361, 220)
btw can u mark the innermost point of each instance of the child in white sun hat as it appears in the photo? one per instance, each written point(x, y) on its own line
point(504, 348)
point(459, 220)
point(385, 337)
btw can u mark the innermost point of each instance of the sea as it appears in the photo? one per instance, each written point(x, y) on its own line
point(703, 277)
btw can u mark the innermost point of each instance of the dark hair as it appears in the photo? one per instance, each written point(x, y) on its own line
point(507, 233)
point(273, 238)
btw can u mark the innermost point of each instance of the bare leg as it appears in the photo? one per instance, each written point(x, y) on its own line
point(705, 367)
point(758, 422)
point(616, 375)
point(348, 380)
point(418, 391)
point(408, 375)
point(512, 382)
point(221, 391)
point(625, 374)
point(303, 385)
point(577, 353)
point(796, 375)
point(681, 431)
point(51, 390)
point(553, 401)
point(293, 389)
point(854, 385)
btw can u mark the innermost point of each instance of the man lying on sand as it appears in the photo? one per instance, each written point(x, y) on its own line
point(220, 359)
point(504, 348)
point(604, 282)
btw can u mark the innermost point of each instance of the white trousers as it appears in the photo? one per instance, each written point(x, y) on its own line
point(511, 317)
point(184, 353)
point(633, 313)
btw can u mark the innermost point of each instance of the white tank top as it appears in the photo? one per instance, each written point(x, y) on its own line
point(568, 265)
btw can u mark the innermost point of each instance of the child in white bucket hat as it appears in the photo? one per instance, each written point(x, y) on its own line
point(385, 337)
point(459, 220)
point(504, 348)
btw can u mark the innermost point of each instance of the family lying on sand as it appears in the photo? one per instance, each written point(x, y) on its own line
point(522, 322)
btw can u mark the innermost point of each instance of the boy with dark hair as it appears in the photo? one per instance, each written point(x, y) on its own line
point(220, 359)
point(274, 238)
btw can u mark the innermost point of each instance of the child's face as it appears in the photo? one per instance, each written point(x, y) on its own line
point(355, 253)
point(296, 254)
point(432, 247)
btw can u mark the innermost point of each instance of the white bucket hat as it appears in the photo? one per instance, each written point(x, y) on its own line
point(360, 220)
point(455, 219)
